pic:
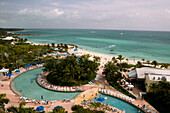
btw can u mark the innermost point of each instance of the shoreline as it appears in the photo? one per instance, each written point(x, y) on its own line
point(104, 57)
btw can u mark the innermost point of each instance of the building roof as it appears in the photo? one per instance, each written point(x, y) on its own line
point(140, 73)
point(4, 70)
point(153, 77)
point(8, 38)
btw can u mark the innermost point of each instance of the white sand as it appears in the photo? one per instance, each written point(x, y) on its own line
point(104, 57)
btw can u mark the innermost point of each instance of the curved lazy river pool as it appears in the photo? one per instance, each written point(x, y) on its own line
point(24, 85)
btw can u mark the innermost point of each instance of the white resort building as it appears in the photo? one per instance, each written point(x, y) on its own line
point(147, 75)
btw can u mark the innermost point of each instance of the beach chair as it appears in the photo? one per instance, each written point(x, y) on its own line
point(132, 100)
point(146, 107)
point(121, 95)
point(111, 92)
point(100, 89)
point(64, 88)
point(55, 87)
point(27, 101)
point(68, 88)
point(149, 111)
point(71, 88)
point(58, 88)
point(118, 95)
point(127, 97)
point(108, 91)
point(61, 88)
point(104, 90)
point(124, 96)
point(114, 93)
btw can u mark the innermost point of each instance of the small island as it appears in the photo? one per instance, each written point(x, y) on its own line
point(71, 71)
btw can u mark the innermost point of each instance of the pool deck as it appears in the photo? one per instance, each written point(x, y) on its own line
point(86, 95)
point(101, 83)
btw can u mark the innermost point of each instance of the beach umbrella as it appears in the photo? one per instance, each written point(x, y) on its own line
point(28, 65)
point(100, 99)
point(17, 70)
point(57, 107)
point(40, 108)
point(34, 63)
point(8, 74)
point(75, 49)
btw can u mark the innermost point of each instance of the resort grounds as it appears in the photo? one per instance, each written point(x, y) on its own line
point(100, 83)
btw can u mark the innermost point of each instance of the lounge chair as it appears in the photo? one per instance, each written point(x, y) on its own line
point(71, 88)
point(100, 89)
point(108, 91)
point(114, 93)
point(132, 100)
point(111, 92)
point(27, 101)
point(61, 88)
point(127, 97)
point(64, 88)
point(149, 111)
point(146, 107)
point(68, 88)
point(104, 90)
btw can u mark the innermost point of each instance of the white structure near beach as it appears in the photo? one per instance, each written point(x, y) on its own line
point(3, 70)
point(8, 38)
point(149, 75)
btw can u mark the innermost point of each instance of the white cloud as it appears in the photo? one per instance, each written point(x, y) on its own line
point(30, 11)
point(167, 11)
point(58, 12)
point(54, 4)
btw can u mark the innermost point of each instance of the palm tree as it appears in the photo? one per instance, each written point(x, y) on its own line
point(127, 60)
point(21, 109)
point(165, 66)
point(155, 63)
point(3, 100)
point(114, 60)
point(143, 60)
point(148, 61)
point(96, 59)
point(120, 58)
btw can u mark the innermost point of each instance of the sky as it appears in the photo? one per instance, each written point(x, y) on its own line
point(86, 14)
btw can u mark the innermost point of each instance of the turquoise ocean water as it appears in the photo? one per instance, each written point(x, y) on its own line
point(150, 45)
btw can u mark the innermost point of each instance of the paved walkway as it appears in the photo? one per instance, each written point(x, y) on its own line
point(86, 95)
point(101, 83)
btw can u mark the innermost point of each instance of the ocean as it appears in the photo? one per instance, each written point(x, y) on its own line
point(150, 45)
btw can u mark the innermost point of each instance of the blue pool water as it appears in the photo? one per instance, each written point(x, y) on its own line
point(34, 91)
point(120, 104)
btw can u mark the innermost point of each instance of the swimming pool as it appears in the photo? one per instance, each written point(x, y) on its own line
point(34, 91)
point(120, 104)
